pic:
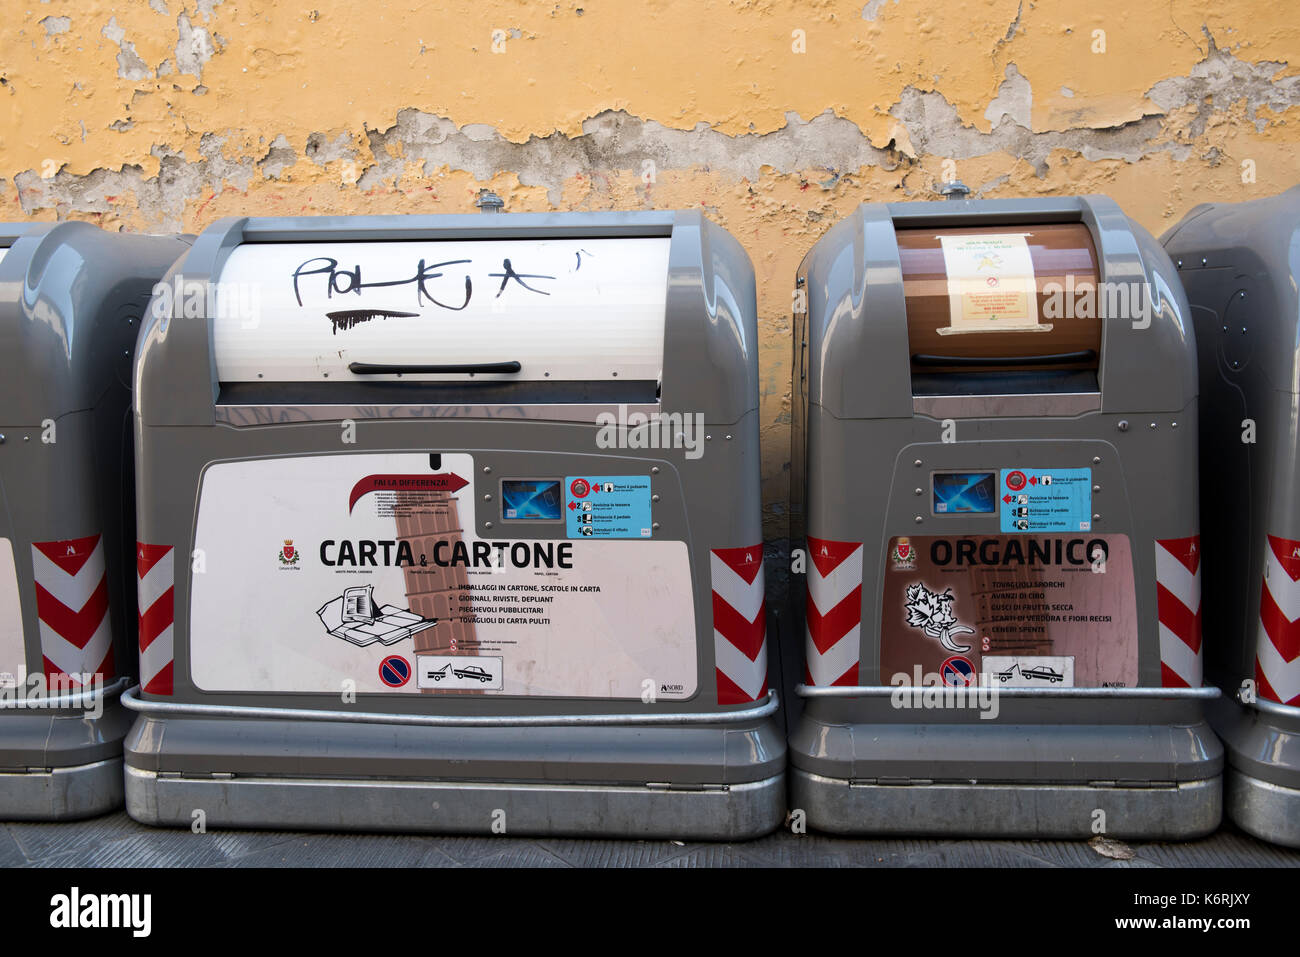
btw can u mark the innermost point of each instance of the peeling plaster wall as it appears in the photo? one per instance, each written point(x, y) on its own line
point(774, 118)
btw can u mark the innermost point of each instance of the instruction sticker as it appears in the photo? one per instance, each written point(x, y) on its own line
point(607, 506)
point(991, 285)
point(1046, 500)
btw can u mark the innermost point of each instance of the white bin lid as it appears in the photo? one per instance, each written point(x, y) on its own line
point(564, 309)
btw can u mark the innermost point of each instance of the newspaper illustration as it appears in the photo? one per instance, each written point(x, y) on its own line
point(354, 617)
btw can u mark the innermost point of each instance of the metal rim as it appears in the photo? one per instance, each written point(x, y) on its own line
point(164, 709)
point(1264, 706)
point(888, 691)
point(80, 700)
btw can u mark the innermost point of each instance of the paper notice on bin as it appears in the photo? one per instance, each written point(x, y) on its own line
point(991, 284)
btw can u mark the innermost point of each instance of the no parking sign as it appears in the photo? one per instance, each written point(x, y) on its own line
point(957, 671)
point(394, 671)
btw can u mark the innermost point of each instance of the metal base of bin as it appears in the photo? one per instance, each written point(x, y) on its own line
point(731, 812)
point(61, 794)
point(1263, 777)
point(1027, 763)
point(703, 776)
point(1184, 811)
point(62, 760)
point(1267, 811)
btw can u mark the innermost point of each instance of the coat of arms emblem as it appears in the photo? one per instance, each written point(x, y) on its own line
point(904, 555)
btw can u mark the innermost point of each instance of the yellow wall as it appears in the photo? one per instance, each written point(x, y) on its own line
point(774, 118)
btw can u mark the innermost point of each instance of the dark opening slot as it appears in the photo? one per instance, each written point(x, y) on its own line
point(1043, 382)
point(435, 461)
point(989, 362)
point(471, 392)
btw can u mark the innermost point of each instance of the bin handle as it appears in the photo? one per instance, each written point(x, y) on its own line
point(1055, 359)
point(379, 368)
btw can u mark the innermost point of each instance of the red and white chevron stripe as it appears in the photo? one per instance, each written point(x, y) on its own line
point(72, 607)
point(1178, 604)
point(1277, 647)
point(833, 612)
point(739, 623)
point(155, 578)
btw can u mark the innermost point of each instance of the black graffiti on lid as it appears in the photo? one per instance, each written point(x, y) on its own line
point(518, 277)
point(341, 281)
point(347, 318)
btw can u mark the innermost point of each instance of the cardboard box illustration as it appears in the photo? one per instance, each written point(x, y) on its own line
point(353, 617)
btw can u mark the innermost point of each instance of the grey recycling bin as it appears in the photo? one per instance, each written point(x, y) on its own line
point(452, 524)
point(1239, 264)
point(995, 462)
point(71, 297)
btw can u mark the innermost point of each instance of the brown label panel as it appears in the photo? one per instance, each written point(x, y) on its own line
point(436, 592)
point(1031, 611)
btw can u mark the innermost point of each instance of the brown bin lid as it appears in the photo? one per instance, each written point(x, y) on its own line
point(992, 315)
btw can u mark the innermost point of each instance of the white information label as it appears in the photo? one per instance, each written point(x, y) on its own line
point(365, 568)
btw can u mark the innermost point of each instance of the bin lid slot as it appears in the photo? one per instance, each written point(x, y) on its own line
point(1035, 382)
point(472, 392)
point(1062, 358)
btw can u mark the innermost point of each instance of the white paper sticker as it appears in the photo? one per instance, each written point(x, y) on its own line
point(991, 285)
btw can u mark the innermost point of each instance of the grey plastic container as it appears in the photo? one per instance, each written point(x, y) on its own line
point(704, 764)
point(869, 755)
point(71, 297)
point(1239, 263)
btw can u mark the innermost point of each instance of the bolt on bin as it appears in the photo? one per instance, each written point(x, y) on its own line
point(995, 458)
point(1238, 264)
point(71, 297)
point(452, 524)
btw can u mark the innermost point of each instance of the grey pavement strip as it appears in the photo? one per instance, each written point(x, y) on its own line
point(116, 841)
